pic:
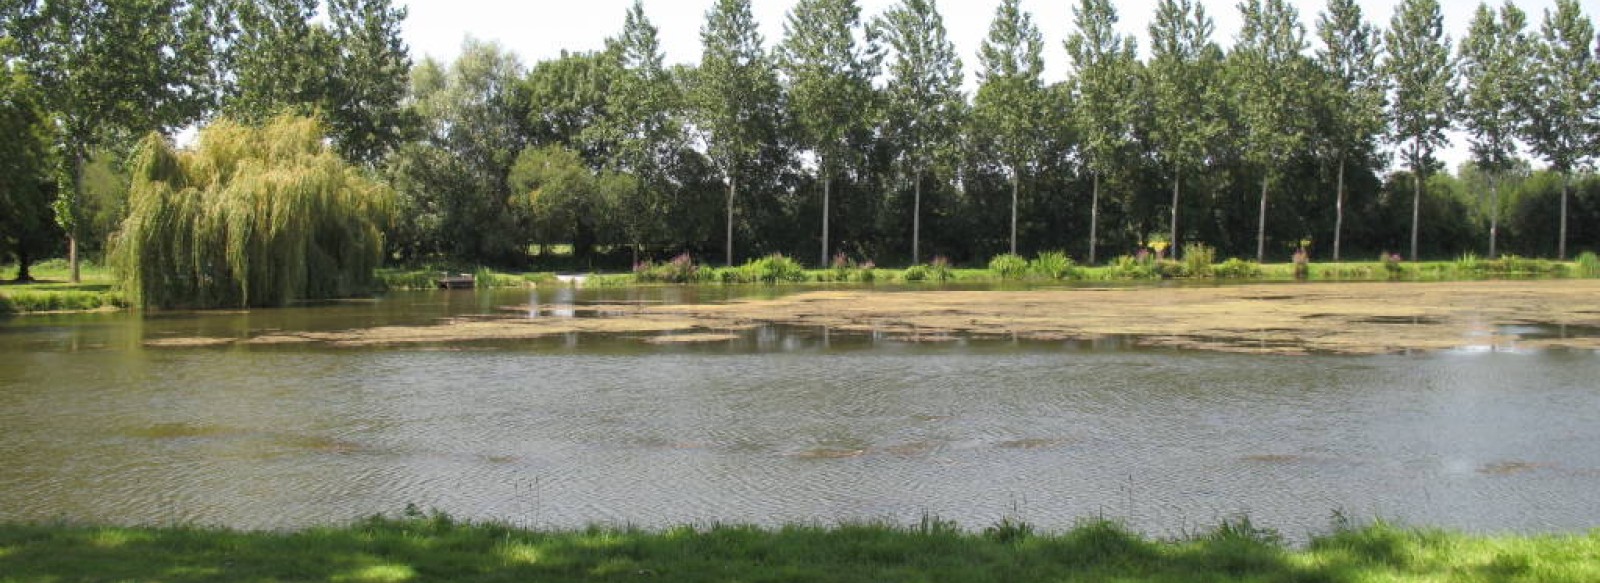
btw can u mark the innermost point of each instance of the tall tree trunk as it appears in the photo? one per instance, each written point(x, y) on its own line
point(916, 218)
point(1416, 211)
point(1094, 219)
point(1566, 183)
point(1016, 180)
point(78, 157)
point(1172, 243)
point(827, 193)
point(24, 260)
point(733, 188)
point(1494, 215)
point(1338, 213)
point(1261, 226)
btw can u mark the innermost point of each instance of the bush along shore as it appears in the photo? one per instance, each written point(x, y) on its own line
point(99, 290)
point(419, 547)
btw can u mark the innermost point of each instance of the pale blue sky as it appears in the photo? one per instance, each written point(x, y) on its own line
point(540, 29)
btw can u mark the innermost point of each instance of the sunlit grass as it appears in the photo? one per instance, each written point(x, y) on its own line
point(434, 548)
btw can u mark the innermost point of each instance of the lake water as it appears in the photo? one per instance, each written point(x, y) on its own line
point(782, 425)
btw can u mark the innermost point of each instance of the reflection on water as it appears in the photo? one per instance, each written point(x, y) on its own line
point(774, 425)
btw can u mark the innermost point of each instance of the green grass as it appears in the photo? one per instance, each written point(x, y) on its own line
point(436, 548)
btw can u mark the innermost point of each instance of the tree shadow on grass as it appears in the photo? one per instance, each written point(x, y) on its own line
point(436, 548)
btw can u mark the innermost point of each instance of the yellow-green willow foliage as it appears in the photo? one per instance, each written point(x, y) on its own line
point(252, 216)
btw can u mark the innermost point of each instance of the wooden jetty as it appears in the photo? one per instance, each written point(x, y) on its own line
point(458, 281)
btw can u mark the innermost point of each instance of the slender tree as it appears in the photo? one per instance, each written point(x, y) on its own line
point(1011, 94)
point(1422, 74)
point(646, 127)
point(1494, 61)
point(26, 182)
point(1271, 80)
point(829, 60)
point(109, 71)
point(1105, 78)
point(1561, 107)
point(925, 103)
point(1183, 70)
point(1353, 94)
point(734, 95)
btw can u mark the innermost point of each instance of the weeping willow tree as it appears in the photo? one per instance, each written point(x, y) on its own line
point(252, 216)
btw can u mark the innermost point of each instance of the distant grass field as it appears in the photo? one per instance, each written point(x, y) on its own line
point(436, 548)
point(50, 291)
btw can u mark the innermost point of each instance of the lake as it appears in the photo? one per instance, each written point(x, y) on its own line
point(781, 425)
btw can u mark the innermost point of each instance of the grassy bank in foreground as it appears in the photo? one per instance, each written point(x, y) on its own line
point(437, 548)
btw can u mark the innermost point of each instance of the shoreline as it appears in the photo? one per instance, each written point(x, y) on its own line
point(1361, 318)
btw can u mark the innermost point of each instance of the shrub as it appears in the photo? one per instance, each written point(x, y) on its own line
point(1009, 266)
point(1588, 264)
point(1302, 264)
point(1392, 264)
point(772, 269)
point(1052, 265)
point(1131, 267)
point(939, 269)
point(682, 269)
point(1469, 262)
point(915, 273)
point(1170, 269)
point(1198, 259)
point(1235, 268)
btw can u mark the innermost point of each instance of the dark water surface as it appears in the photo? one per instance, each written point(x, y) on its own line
point(782, 425)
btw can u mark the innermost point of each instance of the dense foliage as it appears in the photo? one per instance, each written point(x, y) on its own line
point(857, 133)
point(252, 216)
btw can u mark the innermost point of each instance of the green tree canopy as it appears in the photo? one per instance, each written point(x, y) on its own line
point(27, 183)
point(1186, 86)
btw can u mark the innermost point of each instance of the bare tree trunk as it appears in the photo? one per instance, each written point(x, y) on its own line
point(1338, 213)
point(733, 188)
point(827, 193)
point(1561, 248)
point(1416, 210)
point(1172, 243)
point(1494, 215)
point(916, 218)
point(72, 232)
point(1094, 220)
point(1016, 180)
point(1261, 226)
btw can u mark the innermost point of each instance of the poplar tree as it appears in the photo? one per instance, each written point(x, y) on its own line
point(1423, 76)
point(1353, 94)
point(925, 104)
point(1494, 61)
point(1272, 88)
point(734, 95)
point(1010, 101)
point(1183, 71)
point(1105, 77)
point(1561, 105)
point(645, 126)
point(829, 60)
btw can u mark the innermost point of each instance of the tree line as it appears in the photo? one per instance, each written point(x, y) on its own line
point(852, 134)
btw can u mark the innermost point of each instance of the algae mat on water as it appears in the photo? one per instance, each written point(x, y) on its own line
point(1337, 318)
